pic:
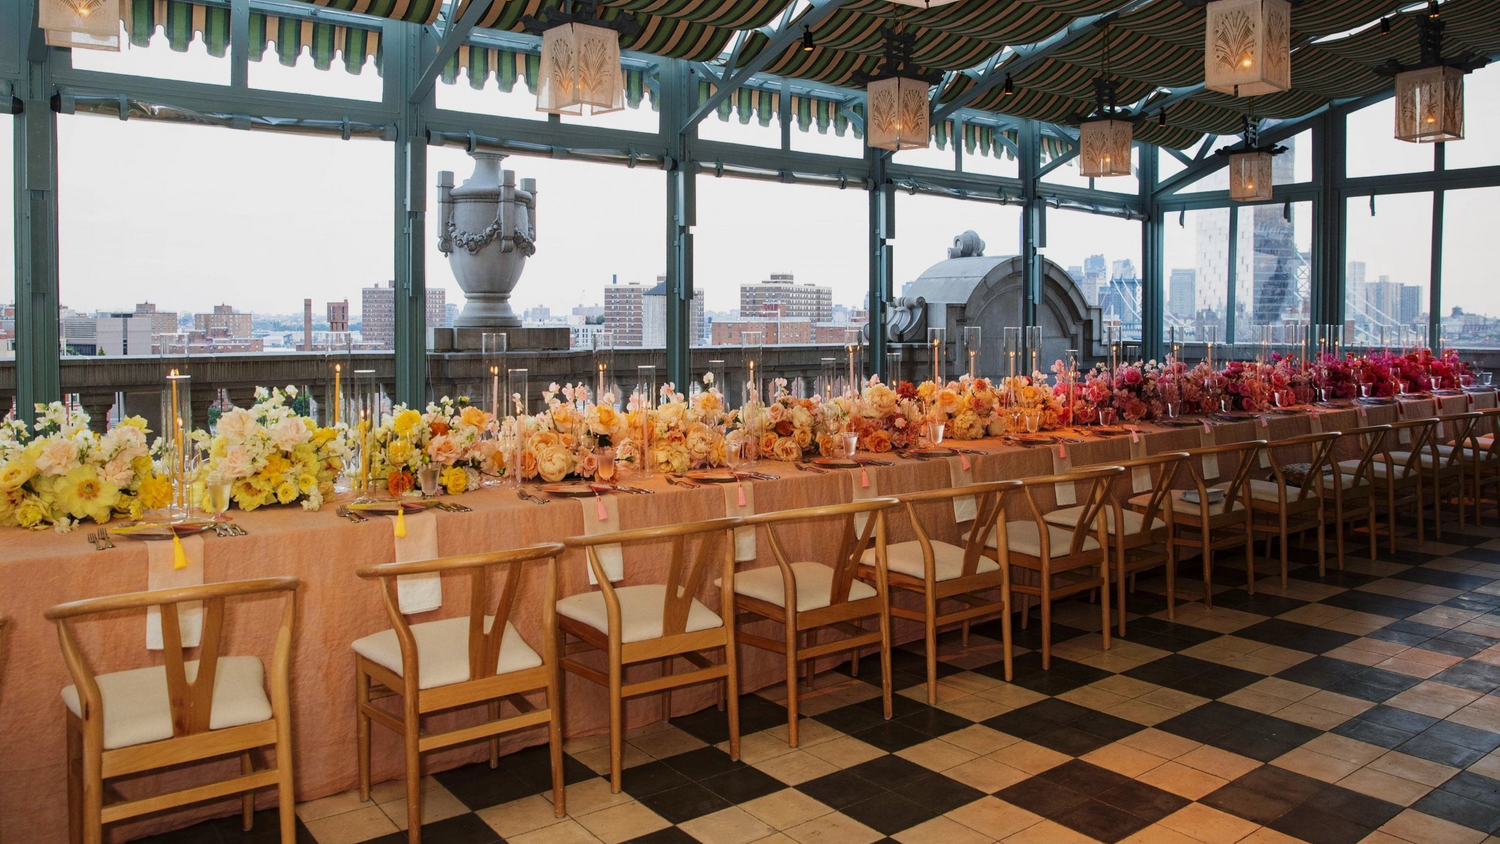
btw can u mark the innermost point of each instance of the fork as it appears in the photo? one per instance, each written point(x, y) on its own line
point(526, 496)
point(104, 537)
point(810, 468)
point(93, 538)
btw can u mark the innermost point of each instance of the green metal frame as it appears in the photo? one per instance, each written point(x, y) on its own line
point(407, 115)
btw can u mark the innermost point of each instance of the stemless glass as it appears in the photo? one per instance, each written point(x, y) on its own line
point(1172, 409)
point(936, 429)
point(1033, 419)
point(1486, 378)
point(1107, 416)
point(851, 444)
point(734, 450)
point(427, 478)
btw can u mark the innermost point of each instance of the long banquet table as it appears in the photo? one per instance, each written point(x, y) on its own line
point(38, 570)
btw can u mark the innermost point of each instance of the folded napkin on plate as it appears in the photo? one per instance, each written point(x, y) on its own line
point(162, 572)
point(739, 501)
point(418, 592)
point(611, 557)
point(1062, 463)
point(965, 508)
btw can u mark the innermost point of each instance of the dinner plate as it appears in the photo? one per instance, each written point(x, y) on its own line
point(934, 451)
point(568, 490)
point(836, 462)
point(1283, 411)
point(714, 476)
point(162, 530)
point(388, 508)
point(1109, 430)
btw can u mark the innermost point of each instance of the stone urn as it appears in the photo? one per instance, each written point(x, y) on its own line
point(487, 228)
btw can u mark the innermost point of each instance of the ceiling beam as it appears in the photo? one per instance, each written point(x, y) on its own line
point(782, 37)
point(1014, 60)
point(454, 34)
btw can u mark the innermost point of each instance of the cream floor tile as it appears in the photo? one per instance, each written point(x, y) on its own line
point(1031, 758)
point(1048, 832)
point(727, 826)
point(385, 792)
point(1141, 712)
point(1334, 702)
point(1388, 787)
point(1413, 768)
point(1123, 686)
point(796, 767)
point(844, 752)
point(1266, 835)
point(758, 747)
point(622, 822)
point(665, 741)
point(809, 733)
point(567, 832)
point(1182, 780)
point(786, 808)
point(1173, 700)
point(436, 806)
point(941, 830)
point(597, 760)
point(987, 775)
point(833, 829)
point(994, 817)
point(1255, 701)
point(1311, 716)
point(1208, 824)
point(1420, 828)
point(1316, 765)
point(1123, 759)
point(980, 739)
point(1348, 749)
point(528, 814)
point(974, 708)
point(937, 755)
point(1013, 696)
point(1158, 834)
point(337, 804)
point(1409, 667)
point(1093, 698)
point(351, 827)
point(1284, 689)
point(1349, 653)
point(581, 798)
point(1159, 743)
point(1489, 766)
point(1438, 700)
point(1220, 763)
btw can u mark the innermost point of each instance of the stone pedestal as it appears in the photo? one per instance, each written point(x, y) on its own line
point(517, 339)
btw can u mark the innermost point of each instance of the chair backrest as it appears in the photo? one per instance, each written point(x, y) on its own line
point(1098, 480)
point(1422, 432)
point(1488, 425)
point(191, 702)
point(851, 550)
point(1321, 445)
point(484, 647)
point(683, 576)
point(1163, 468)
point(1372, 442)
point(1245, 453)
point(1455, 428)
point(989, 507)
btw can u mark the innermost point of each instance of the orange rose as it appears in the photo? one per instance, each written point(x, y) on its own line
point(878, 442)
point(474, 417)
point(398, 483)
point(439, 427)
point(826, 446)
point(787, 451)
point(767, 444)
point(784, 427)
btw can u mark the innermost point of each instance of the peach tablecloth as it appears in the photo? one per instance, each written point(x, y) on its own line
point(38, 570)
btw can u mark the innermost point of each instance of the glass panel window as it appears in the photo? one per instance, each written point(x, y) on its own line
point(1102, 254)
point(159, 60)
point(1373, 148)
point(991, 163)
point(1273, 263)
point(1471, 299)
point(489, 99)
point(1390, 264)
point(7, 245)
point(1481, 124)
point(1067, 174)
point(777, 258)
point(926, 226)
point(1295, 165)
point(752, 121)
point(933, 157)
point(830, 143)
point(1196, 273)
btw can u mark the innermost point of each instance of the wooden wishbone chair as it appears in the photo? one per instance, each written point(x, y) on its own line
point(182, 712)
point(1352, 482)
point(655, 623)
point(1485, 459)
point(940, 571)
point(1140, 538)
point(1207, 526)
point(821, 596)
point(1398, 474)
point(1034, 544)
point(1448, 461)
point(1281, 509)
point(476, 658)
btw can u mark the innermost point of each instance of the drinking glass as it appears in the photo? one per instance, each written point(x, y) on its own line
point(936, 429)
point(605, 464)
point(1172, 409)
point(1107, 416)
point(216, 499)
point(1033, 419)
point(851, 444)
point(734, 450)
point(1486, 378)
point(427, 478)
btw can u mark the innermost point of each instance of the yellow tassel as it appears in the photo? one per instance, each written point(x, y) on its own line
point(400, 522)
point(179, 556)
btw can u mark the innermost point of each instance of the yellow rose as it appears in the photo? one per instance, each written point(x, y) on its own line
point(554, 463)
point(562, 415)
point(803, 437)
point(605, 421)
point(455, 479)
point(474, 417)
point(32, 513)
point(15, 473)
point(786, 450)
point(827, 447)
point(155, 491)
point(405, 421)
point(670, 458)
point(947, 400)
point(286, 493)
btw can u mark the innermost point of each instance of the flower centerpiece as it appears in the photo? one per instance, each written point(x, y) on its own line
point(881, 417)
point(271, 454)
point(59, 472)
point(1026, 395)
point(449, 436)
point(791, 425)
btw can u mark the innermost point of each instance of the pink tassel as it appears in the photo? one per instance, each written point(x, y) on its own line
point(602, 510)
point(963, 460)
point(741, 492)
point(1062, 451)
point(1135, 435)
point(1264, 422)
point(864, 478)
point(1206, 428)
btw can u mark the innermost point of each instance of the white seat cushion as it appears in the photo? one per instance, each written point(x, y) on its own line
point(947, 560)
point(1269, 490)
point(1347, 478)
point(1134, 522)
point(1180, 504)
point(641, 609)
point(814, 586)
point(1378, 466)
point(443, 651)
point(1024, 538)
point(137, 711)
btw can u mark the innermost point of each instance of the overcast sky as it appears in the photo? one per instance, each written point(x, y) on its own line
point(189, 217)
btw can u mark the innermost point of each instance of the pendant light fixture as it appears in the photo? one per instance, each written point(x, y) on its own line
point(1430, 93)
point(897, 96)
point(1105, 136)
point(580, 63)
point(85, 24)
point(1250, 174)
point(1247, 49)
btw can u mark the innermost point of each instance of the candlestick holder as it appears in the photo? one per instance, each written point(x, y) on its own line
point(937, 349)
point(1010, 343)
point(645, 403)
point(971, 349)
point(854, 350)
point(604, 365)
point(178, 453)
point(1034, 348)
point(752, 348)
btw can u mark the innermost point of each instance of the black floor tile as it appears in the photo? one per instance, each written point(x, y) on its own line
point(1266, 738)
point(1101, 821)
point(1400, 719)
point(1318, 827)
point(1464, 735)
point(836, 790)
point(888, 813)
point(1442, 752)
point(1085, 778)
point(1473, 814)
point(743, 785)
point(459, 829)
point(892, 736)
point(1370, 732)
point(1207, 722)
point(651, 778)
point(684, 803)
point(1249, 804)
point(1474, 676)
point(1143, 800)
point(1041, 797)
point(670, 835)
point(1362, 809)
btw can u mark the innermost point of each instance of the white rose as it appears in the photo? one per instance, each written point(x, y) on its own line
point(236, 426)
point(289, 433)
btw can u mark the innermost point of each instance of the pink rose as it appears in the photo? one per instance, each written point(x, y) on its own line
point(444, 451)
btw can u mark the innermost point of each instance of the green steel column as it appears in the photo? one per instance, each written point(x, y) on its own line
point(682, 215)
point(1330, 147)
point(1435, 288)
point(1031, 221)
point(38, 370)
point(1153, 271)
point(404, 43)
point(881, 255)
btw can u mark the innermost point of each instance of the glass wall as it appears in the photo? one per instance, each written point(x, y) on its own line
point(1471, 298)
point(1196, 273)
point(1273, 268)
point(1481, 122)
point(1372, 146)
point(7, 244)
point(1103, 255)
point(1389, 247)
point(926, 226)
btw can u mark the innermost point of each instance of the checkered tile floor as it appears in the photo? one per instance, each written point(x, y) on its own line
point(1361, 707)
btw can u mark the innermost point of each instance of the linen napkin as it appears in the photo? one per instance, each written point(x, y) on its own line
point(1062, 463)
point(864, 489)
point(599, 519)
point(1403, 435)
point(1210, 461)
point(1140, 476)
point(418, 592)
point(965, 508)
point(162, 572)
point(739, 500)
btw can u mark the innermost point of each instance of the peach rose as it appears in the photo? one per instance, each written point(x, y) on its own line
point(878, 442)
point(398, 483)
point(554, 464)
point(443, 450)
point(767, 444)
point(474, 417)
point(786, 450)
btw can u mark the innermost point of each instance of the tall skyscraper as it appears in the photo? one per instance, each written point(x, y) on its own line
point(1275, 259)
point(654, 317)
point(1182, 294)
point(622, 312)
point(781, 296)
point(378, 313)
point(1094, 277)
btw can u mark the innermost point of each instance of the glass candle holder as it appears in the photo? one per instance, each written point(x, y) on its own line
point(854, 351)
point(494, 346)
point(176, 437)
point(972, 336)
point(937, 351)
point(752, 347)
point(1034, 348)
point(1010, 342)
point(604, 365)
point(645, 379)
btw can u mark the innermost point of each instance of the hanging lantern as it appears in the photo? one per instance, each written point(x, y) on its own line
point(580, 61)
point(1104, 148)
point(896, 97)
point(1250, 176)
point(1430, 94)
point(898, 114)
point(1430, 105)
point(1247, 48)
point(85, 24)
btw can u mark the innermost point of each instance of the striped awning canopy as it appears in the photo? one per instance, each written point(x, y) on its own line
point(1155, 49)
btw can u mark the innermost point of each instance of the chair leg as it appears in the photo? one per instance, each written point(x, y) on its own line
point(1046, 601)
point(1120, 584)
point(247, 800)
point(1104, 595)
point(1171, 577)
point(1282, 519)
point(1006, 596)
point(286, 796)
point(791, 680)
point(666, 695)
point(885, 662)
point(412, 734)
point(1322, 546)
point(965, 641)
point(362, 738)
point(75, 783)
point(616, 726)
point(555, 730)
point(494, 742)
point(732, 680)
point(1208, 572)
point(930, 625)
point(93, 795)
point(1390, 517)
point(1338, 532)
point(1374, 537)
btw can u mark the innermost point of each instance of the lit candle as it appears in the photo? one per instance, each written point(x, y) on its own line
point(495, 392)
point(364, 453)
point(338, 392)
